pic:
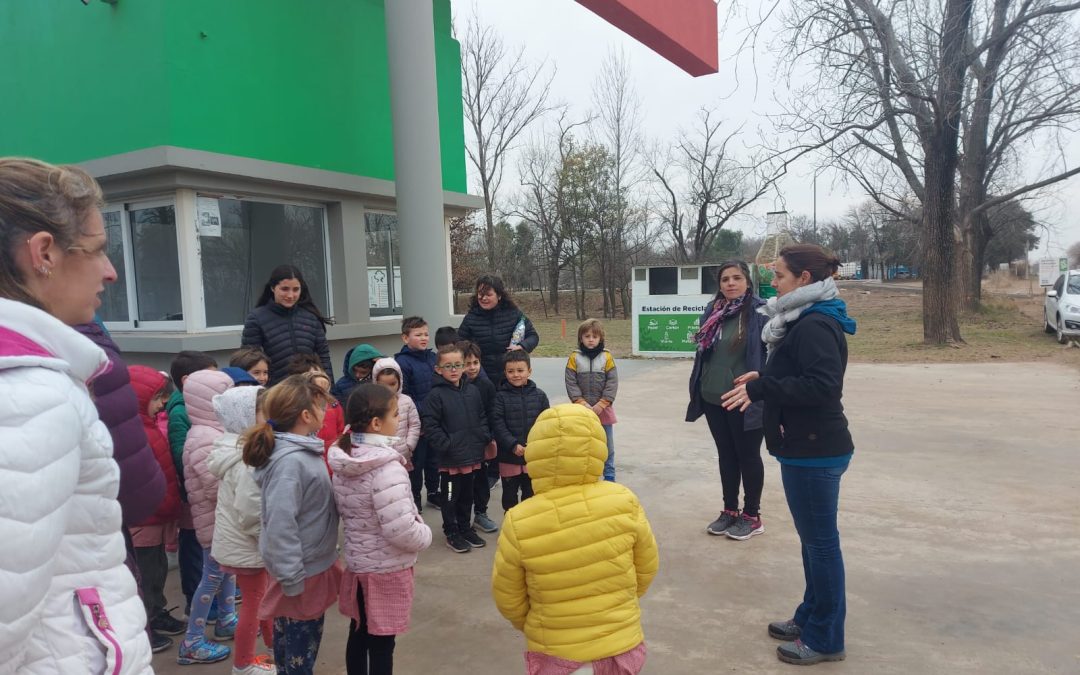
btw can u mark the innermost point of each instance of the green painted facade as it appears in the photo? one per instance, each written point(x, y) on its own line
point(302, 83)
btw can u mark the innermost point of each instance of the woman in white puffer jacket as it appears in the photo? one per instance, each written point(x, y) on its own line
point(67, 602)
point(238, 522)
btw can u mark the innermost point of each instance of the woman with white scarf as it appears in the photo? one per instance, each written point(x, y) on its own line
point(805, 429)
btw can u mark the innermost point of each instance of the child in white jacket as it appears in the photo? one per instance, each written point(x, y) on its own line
point(383, 529)
point(387, 372)
point(238, 522)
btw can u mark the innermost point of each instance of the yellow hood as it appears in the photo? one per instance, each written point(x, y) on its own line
point(566, 446)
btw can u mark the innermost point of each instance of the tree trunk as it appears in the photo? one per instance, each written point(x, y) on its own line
point(489, 231)
point(553, 287)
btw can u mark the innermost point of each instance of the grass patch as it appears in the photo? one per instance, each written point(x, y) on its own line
point(616, 337)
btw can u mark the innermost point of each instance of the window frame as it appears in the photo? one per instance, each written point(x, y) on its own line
point(393, 312)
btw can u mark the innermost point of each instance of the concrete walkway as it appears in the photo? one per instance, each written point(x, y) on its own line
point(959, 517)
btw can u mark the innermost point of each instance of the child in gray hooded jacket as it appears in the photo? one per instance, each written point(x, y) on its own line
point(299, 519)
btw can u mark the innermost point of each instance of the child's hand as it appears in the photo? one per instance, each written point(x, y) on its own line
point(583, 402)
point(519, 450)
point(490, 451)
point(597, 409)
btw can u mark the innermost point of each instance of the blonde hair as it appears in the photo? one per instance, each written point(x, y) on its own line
point(590, 326)
point(39, 197)
point(283, 406)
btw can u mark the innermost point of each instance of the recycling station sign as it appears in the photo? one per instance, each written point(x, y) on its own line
point(667, 304)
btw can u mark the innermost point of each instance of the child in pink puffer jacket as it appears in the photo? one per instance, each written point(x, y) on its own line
point(383, 529)
point(387, 372)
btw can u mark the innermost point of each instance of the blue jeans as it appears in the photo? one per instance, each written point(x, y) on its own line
point(813, 495)
point(215, 583)
point(609, 463)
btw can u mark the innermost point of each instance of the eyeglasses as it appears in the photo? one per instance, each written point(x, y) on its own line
point(452, 366)
point(99, 252)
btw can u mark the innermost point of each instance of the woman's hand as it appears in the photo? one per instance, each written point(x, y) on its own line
point(747, 377)
point(737, 398)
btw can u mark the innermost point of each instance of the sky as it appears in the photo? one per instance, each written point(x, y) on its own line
point(575, 42)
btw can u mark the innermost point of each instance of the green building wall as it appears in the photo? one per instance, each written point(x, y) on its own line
point(303, 83)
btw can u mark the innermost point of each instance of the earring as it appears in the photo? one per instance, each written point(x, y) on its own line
point(45, 271)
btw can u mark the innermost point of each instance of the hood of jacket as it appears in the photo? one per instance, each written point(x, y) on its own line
point(226, 454)
point(286, 444)
point(388, 363)
point(369, 452)
point(41, 339)
point(146, 382)
point(200, 388)
point(567, 446)
point(359, 354)
point(235, 408)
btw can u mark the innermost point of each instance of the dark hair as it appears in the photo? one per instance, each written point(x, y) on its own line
point(469, 348)
point(389, 371)
point(517, 356)
point(283, 272)
point(166, 389)
point(411, 323)
point(366, 402)
point(811, 258)
point(496, 284)
point(284, 404)
point(188, 362)
point(303, 362)
point(452, 348)
point(747, 308)
point(248, 357)
point(447, 335)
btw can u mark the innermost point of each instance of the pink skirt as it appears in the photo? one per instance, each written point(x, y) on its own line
point(627, 663)
point(455, 470)
point(388, 598)
point(507, 470)
point(320, 593)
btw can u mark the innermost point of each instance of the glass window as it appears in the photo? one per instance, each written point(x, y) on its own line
point(1074, 284)
point(156, 262)
point(383, 264)
point(708, 279)
point(688, 273)
point(114, 301)
point(663, 281)
point(249, 240)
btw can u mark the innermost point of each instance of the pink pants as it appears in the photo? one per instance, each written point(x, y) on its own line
point(252, 585)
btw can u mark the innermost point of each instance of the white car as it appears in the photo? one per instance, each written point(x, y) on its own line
point(1061, 310)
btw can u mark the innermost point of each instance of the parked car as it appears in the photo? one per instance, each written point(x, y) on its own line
point(1061, 309)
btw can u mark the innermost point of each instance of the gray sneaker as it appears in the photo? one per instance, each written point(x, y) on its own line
point(722, 523)
point(485, 524)
point(788, 631)
point(745, 527)
point(798, 653)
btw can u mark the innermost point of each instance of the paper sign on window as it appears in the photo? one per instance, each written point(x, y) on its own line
point(209, 221)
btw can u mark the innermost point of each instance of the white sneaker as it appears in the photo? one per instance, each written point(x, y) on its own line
point(257, 668)
point(173, 558)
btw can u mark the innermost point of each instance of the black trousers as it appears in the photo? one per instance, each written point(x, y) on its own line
point(481, 490)
point(425, 469)
point(512, 486)
point(154, 569)
point(458, 501)
point(367, 654)
point(739, 454)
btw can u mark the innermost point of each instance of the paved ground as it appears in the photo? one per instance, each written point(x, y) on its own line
point(959, 517)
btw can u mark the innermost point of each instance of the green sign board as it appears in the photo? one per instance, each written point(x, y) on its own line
point(1063, 264)
point(667, 332)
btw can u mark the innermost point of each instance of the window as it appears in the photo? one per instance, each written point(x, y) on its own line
point(640, 274)
point(688, 273)
point(1074, 284)
point(242, 241)
point(708, 279)
point(663, 281)
point(142, 246)
point(383, 264)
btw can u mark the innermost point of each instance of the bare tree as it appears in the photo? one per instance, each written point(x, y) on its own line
point(502, 95)
point(703, 185)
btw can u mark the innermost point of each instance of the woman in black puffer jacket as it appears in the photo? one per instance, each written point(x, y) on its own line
point(492, 321)
point(285, 322)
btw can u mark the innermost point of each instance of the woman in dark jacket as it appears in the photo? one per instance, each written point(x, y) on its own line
point(729, 345)
point(496, 324)
point(805, 429)
point(285, 322)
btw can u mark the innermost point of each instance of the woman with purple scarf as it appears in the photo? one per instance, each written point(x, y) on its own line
point(728, 345)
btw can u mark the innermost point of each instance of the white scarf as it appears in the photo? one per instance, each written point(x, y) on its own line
point(784, 309)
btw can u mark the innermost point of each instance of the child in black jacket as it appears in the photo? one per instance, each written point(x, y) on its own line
point(517, 405)
point(482, 484)
point(455, 424)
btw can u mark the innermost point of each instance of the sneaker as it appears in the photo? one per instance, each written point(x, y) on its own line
point(485, 524)
point(201, 651)
point(226, 627)
point(174, 559)
point(419, 504)
point(492, 482)
point(724, 521)
point(260, 666)
point(473, 538)
point(798, 653)
point(435, 500)
point(159, 642)
point(788, 631)
point(457, 544)
point(745, 527)
point(167, 624)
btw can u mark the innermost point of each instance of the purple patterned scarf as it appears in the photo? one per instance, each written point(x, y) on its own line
point(722, 309)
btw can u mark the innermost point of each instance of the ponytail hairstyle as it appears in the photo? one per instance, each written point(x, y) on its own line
point(283, 406)
point(811, 258)
point(367, 402)
point(748, 305)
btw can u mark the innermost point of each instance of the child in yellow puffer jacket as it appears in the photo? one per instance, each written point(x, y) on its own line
point(571, 535)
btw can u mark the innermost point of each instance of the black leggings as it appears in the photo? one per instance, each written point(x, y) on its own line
point(740, 458)
point(511, 486)
point(367, 654)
